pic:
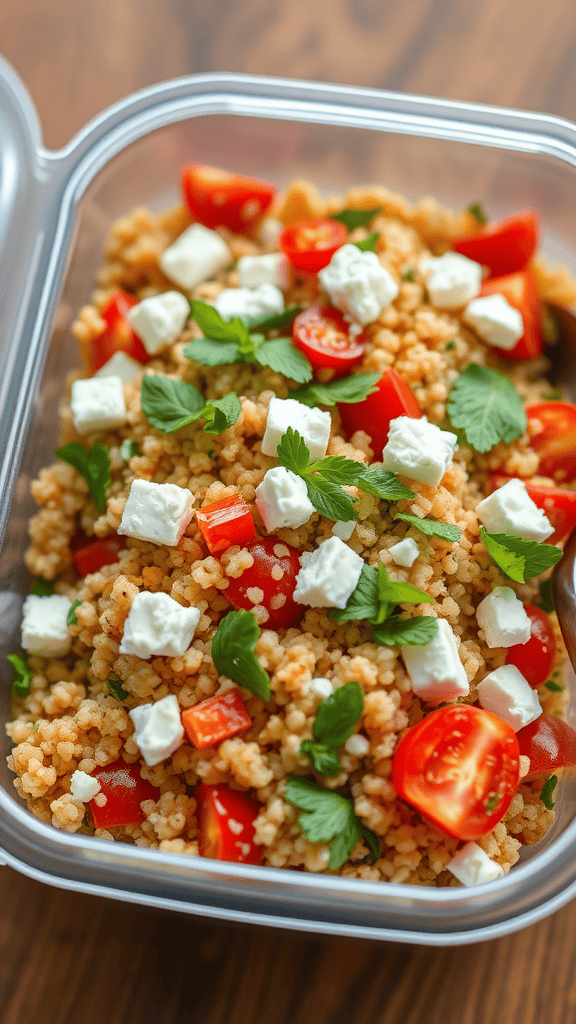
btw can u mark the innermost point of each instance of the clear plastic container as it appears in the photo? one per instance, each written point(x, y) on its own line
point(55, 210)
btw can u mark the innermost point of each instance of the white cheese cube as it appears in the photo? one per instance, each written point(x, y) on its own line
point(405, 552)
point(358, 284)
point(159, 729)
point(97, 404)
point(509, 695)
point(156, 512)
point(282, 500)
point(159, 320)
point(321, 687)
point(495, 321)
point(435, 670)
point(510, 509)
point(344, 530)
point(503, 618)
point(249, 303)
point(268, 233)
point(197, 254)
point(472, 866)
point(83, 787)
point(452, 280)
point(157, 624)
point(44, 626)
point(122, 366)
point(328, 575)
point(312, 424)
point(418, 449)
point(272, 268)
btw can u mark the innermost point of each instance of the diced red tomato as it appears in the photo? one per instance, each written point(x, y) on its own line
point(550, 743)
point(216, 719)
point(459, 767)
point(521, 291)
point(124, 789)
point(323, 335)
point(271, 557)
point(226, 824)
point(393, 398)
point(118, 336)
point(311, 244)
point(535, 659)
point(218, 198)
point(92, 555)
point(556, 438)
point(226, 522)
point(505, 246)
point(557, 503)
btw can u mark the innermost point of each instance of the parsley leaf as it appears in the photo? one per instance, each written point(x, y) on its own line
point(546, 603)
point(520, 559)
point(128, 449)
point(334, 723)
point(323, 479)
point(276, 320)
point(409, 274)
point(477, 211)
point(116, 688)
point(355, 218)
point(369, 243)
point(170, 405)
point(547, 790)
point(487, 407)
point(363, 602)
point(396, 631)
point(553, 686)
point(233, 655)
point(42, 588)
point(23, 678)
point(71, 618)
point(375, 597)
point(93, 464)
point(328, 816)
point(349, 389)
point(384, 484)
point(324, 758)
point(432, 527)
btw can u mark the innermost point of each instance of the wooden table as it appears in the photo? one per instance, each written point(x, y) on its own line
point(66, 958)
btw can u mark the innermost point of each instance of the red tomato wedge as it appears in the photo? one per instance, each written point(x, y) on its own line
point(226, 825)
point(226, 522)
point(118, 336)
point(549, 743)
point(216, 719)
point(535, 659)
point(311, 244)
point(393, 398)
point(556, 438)
point(521, 291)
point(505, 246)
point(220, 199)
point(124, 789)
point(322, 334)
point(558, 505)
point(459, 767)
point(95, 553)
point(274, 571)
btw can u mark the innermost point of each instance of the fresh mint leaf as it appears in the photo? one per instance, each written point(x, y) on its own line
point(553, 686)
point(280, 355)
point(547, 790)
point(293, 453)
point(210, 353)
point(128, 449)
point(369, 243)
point(351, 218)
point(546, 603)
point(409, 274)
point(42, 588)
point(23, 675)
point(93, 464)
point(322, 478)
point(363, 602)
point(477, 211)
point(487, 407)
point(216, 328)
point(340, 470)
point(396, 631)
point(116, 688)
point(383, 484)
point(349, 389)
point(391, 593)
point(324, 758)
point(330, 500)
point(337, 715)
point(233, 655)
point(221, 413)
point(520, 559)
point(71, 618)
point(431, 527)
point(328, 817)
point(276, 321)
point(170, 405)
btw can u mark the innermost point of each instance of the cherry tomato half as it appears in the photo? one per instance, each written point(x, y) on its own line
point(557, 503)
point(226, 522)
point(323, 335)
point(521, 291)
point(124, 789)
point(459, 767)
point(549, 743)
point(535, 659)
point(118, 335)
point(556, 438)
point(218, 198)
point(216, 719)
point(226, 824)
point(92, 555)
point(311, 244)
point(271, 556)
point(505, 246)
point(393, 398)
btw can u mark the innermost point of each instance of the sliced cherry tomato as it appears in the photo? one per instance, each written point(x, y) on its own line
point(124, 789)
point(118, 336)
point(216, 719)
point(521, 291)
point(556, 438)
point(459, 767)
point(226, 824)
point(393, 398)
point(558, 505)
point(549, 743)
point(322, 334)
point(535, 659)
point(311, 244)
point(218, 198)
point(271, 556)
point(226, 522)
point(504, 246)
point(95, 553)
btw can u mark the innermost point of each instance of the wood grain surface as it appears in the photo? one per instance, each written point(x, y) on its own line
point(71, 959)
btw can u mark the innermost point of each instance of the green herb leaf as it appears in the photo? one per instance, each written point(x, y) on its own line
point(36, 726)
point(340, 470)
point(547, 790)
point(233, 655)
point(216, 328)
point(170, 405)
point(93, 464)
point(42, 588)
point(546, 603)
point(369, 243)
point(328, 816)
point(23, 677)
point(280, 355)
point(487, 407)
point(553, 686)
point(409, 274)
point(384, 484)
point(210, 353)
point(324, 758)
point(323, 478)
point(221, 413)
point(355, 218)
point(330, 500)
point(451, 345)
point(520, 559)
point(116, 688)
point(293, 453)
point(396, 631)
point(71, 618)
point(375, 596)
point(128, 449)
point(276, 321)
point(349, 389)
point(553, 396)
point(477, 211)
point(390, 594)
point(432, 527)
point(337, 715)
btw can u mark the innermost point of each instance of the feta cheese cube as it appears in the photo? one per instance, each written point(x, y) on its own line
point(321, 687)
point(452, 280)
point(509, 695)
point(159, 729)
point(328, 575)
point(418, 449)
point(272, 268)
point(282, 500)
point(268, 233)
point(510, 509)
point(122, 366)
point(249, 303)
point(97, 404)
point(495, 321)
point(472, 866)
point(156, 512)
point(83, 787)
point(157, 624)
point(197, 254)
point(312, 424)
point(344, 530)
point(358, 284)
point(159, 320)
point(503, 618)
point(44, 626)
point(405, 552)
point(435, 670)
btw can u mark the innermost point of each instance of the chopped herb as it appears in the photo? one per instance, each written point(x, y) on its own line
point(93, 464)
point(547, 790)
point(42, 588)
point(23, 675)
point(334, 723)
point(374, 600)
point(553, 396)
point(36, 726)
point(492, 800)
point(71, 618)
point(349, 389)
point(355, 218)
point(128, 449)
point(116, 688)
point(86, 824)
point(369, 243)
point(170, 405)
point(487, 406)
point(211, 453)
point(546, 603)
point(233, 655)
point(477, 211)
point(553, 686)
point(432, 527)
point(409, 275)
point(550, 330)
point(328, 817)
point(450, 346)
point(520, 559)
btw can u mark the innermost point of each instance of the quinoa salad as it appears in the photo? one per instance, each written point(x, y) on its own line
point(292, 560)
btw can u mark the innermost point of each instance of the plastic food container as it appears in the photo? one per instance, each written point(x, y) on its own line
point(55, 211)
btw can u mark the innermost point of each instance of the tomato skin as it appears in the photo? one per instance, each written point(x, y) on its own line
point(535, 659)
point(453, 763)
point(118, 335)
point(216, 719)
point(217, 805)
point(95, 553)
point(322, 334)
point(521, 291)
point(505, 246)
point(263, 550)
point(218, 198)
point(556, 439)
point(550, 743)
point(393, 398)
point(558, 505)
point(311, 244)
point(226, 522)
point(124, 789)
